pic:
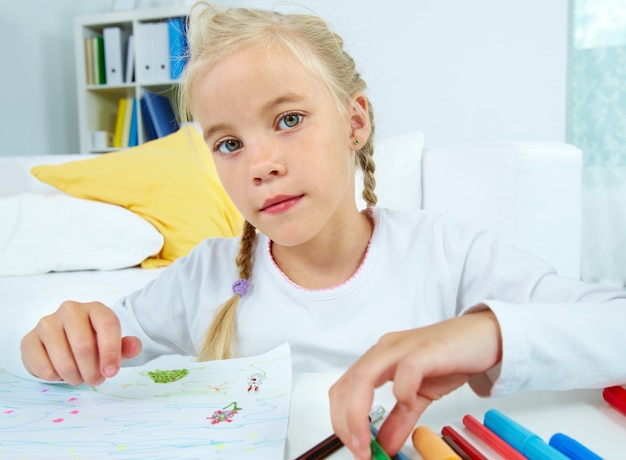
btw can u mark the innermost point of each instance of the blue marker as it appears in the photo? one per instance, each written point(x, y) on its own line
point(524, 441)
point(572, 448)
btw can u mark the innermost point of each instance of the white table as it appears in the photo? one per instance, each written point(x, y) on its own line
point(581, 414)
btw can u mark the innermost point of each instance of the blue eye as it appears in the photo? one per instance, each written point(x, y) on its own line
point(290, 120)
point(228, 146)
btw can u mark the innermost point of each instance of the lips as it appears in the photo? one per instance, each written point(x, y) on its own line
point(280, 203)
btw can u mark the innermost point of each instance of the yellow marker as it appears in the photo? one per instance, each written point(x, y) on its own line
point(430, 446)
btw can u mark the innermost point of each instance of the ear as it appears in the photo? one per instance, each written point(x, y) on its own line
point(360, 123)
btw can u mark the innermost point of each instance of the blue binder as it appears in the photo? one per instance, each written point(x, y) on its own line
point(177, 29)
point(158, 115)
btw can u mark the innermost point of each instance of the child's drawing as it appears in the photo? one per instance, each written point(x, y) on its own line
point(227, 414)
point(178, 409)
point(254, 381)
point(160, 376)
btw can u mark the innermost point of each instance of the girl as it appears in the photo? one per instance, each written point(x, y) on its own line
point(415, 298)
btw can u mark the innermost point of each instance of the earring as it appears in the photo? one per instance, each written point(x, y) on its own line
point(356, 142)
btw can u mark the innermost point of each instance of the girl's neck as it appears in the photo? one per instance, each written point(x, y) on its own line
point(328, 263)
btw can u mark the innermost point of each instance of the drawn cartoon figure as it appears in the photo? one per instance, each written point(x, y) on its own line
point(254, 381)
point(224, 414)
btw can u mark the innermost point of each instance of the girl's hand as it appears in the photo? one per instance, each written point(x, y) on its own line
point(424, 364)
point(80, 342)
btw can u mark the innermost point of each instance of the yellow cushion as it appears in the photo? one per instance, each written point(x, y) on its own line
point(171, 182)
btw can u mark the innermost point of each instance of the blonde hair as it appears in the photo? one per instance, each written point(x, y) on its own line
point(217, 32)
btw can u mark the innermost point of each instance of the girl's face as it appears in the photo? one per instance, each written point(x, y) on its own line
point(282, 148)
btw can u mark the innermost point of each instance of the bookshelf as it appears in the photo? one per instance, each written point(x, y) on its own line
point(98, 102)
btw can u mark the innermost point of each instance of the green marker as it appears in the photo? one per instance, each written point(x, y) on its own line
point(377, 452)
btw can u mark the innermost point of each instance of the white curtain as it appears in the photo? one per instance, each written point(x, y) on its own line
point(597, 125)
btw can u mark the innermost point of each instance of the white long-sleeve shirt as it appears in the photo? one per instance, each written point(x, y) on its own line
point(420, 268)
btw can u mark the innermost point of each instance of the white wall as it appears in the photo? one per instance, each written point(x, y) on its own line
point(458, 70)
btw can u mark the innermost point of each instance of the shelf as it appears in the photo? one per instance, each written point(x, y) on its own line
point(98, 102)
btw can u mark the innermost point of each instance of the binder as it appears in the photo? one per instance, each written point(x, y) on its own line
point(158, 115)
point(114, 39)
point(177, 28)
point(161, 51)
point(143, 58)
point(130, 59)
point(153, 59)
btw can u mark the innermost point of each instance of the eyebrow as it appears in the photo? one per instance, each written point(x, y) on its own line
point(288, 98)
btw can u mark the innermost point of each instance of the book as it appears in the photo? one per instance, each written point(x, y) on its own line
point(98, 57)
point(158, 114)
point(133, 137)
point(119, 123)
point(128, 115)
point(94, 60)
point(130, 59)
point(114, 38)
point(177, 28)
point(89, 61)
point(147, 121)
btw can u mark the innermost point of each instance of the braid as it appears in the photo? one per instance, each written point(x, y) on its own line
point(365, 159)
point(219, 339)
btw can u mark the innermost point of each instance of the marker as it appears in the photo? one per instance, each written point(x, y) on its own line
point(616, 397)
point(572, 448)
point(522, 440)
point(463, 443)
point(332, 443)
point(491, 439)
point(455, 447)
point(377, 452)
point(430, 446)
point(399, 456)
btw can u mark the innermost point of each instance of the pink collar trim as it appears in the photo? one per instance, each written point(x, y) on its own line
point(369, 213)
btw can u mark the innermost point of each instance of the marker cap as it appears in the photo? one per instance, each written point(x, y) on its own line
point(520, 438)
point(572, 448)
point(616, 397)
point(430, 446)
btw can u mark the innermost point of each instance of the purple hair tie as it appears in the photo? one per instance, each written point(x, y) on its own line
point(240, 287)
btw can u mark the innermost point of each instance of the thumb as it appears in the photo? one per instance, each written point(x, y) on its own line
point(131, 347)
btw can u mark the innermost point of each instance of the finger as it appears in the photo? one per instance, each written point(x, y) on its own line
point(352, 397)
point(52, 336)
point(108, 336)
point(398, 425)
point(349, 415)
point(35, 358)
point(83, 347)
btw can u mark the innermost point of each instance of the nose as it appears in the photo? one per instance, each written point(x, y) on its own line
point(266, 163)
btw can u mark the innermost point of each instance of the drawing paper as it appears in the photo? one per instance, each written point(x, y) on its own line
point(231, 409)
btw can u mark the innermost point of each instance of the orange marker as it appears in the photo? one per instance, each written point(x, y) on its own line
point(430, 446)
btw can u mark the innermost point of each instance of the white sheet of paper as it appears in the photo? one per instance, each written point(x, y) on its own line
point(232, 409)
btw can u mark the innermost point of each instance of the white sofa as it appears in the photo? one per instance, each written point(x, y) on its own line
point(529, 192)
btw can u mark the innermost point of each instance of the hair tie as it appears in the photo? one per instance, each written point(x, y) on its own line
point(240, 287)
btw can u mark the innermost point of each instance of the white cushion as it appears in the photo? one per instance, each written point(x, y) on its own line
point(57, 232)
point(398, 172)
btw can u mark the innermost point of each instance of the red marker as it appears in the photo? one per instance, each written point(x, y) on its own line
point(492, 439)
point(463, 443)
point(616, 397)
